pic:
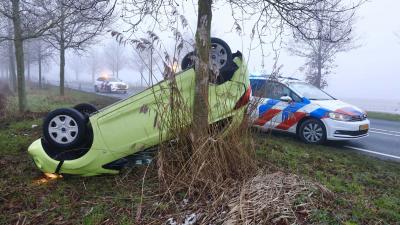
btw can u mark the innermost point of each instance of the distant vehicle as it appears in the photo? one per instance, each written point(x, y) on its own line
point(85, 141)
point(110, 85)
point(297, 107)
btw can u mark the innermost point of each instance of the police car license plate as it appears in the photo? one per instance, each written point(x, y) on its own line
point(364, 127)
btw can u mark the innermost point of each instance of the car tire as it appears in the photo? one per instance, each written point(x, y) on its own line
point(86, 109)
point(188, 61)
point(64, 128)
point(220, 46)
point(96, 89)
point(312, 131)
point(220, 57)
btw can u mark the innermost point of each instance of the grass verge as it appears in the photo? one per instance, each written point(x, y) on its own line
point(384, 116)
point(366, 189)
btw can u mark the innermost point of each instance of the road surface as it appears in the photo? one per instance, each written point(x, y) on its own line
point(383, 140)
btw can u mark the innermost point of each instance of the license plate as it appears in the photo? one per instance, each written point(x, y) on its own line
point(364, 127)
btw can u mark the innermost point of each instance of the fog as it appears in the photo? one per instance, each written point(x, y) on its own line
point(371, 71)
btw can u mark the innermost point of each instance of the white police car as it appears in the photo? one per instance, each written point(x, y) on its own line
point(297, 107)
point(110, 84)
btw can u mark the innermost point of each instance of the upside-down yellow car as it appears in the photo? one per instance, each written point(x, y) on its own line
point(85, 141)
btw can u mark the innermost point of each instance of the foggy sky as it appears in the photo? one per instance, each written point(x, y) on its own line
point(371, 71)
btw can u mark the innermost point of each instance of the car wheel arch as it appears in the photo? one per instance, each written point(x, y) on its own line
point(305, 119)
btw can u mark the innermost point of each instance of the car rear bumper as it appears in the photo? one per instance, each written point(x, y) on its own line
point(341, 130)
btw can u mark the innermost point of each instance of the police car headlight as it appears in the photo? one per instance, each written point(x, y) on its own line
point(339, 116)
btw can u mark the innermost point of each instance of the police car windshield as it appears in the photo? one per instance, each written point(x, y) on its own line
point(309, 91)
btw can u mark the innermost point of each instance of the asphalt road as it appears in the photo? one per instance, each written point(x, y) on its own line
point(383, 140)
point(90, 88)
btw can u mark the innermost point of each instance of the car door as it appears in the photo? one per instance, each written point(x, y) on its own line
point(264, 107)
point(291, 109)
point(272, 112)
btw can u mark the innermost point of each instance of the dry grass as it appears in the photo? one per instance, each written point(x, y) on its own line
point(272, 199)
point(207, 165)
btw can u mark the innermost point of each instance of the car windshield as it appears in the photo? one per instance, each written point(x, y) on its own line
point(309, 91)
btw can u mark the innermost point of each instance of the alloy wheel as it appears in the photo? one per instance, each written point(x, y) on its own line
point(313, 132)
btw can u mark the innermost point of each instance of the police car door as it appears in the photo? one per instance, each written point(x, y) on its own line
point(275, 105)
point(264, 108)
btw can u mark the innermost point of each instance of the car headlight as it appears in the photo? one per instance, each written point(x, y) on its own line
point(340, 116)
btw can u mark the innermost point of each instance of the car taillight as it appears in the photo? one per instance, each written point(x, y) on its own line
point(244, 99)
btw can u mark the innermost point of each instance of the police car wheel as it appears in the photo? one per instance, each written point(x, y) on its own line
point(312, 131)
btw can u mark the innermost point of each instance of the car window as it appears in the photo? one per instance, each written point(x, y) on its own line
point(276, 90)
point(100, 79)
point(309, 91)
point(271, 89)
point(258, 87)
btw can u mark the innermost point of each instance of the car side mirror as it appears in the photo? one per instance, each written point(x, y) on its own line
point(286, 99)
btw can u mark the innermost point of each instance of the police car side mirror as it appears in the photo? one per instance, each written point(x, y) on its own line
point(286, 99)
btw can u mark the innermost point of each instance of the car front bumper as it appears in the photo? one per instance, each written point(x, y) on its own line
point(342, 130)
point(118, 89)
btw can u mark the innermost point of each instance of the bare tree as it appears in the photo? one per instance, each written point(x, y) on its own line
point(30, 19)
point(7, 52)
point(115, 56)
point(12, 76)
point(143, 61)
point(3, 61)
point(94, 62)
point(81, 21)
point(42, 53)
point(330, 39)
point(76, 65)
point(29, 59)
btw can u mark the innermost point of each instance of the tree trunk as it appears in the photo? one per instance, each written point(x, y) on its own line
point(11, 60)
point(29, 72)
point(117, 69)
point(28, 64)
point(62, 53)
point(19, 56)
point(200, 108)
point(319, 66)
point(141, 78)
point(93, 74)
point(40, 67)
point(319, 57)
point(62, 68)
